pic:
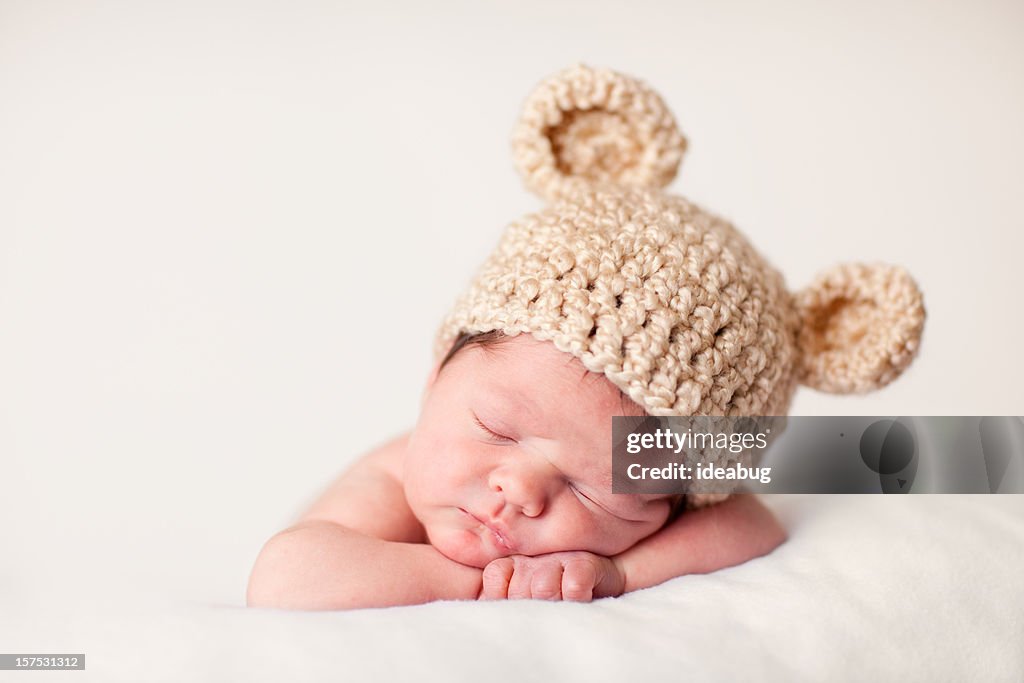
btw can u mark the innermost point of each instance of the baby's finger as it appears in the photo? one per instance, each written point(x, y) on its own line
point(496, 576)
point(546, 583)
point(578, 581)
point(519, 584)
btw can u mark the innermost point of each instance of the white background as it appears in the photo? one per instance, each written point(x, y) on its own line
point(228, 230)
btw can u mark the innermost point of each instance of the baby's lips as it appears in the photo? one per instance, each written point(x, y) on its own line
point(497, 529)
point(503, 537)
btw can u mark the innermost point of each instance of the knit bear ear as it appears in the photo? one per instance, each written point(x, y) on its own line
point(588, 126)
point(860, 326)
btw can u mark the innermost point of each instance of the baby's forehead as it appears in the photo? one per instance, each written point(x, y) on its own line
point(569, 410)
point(536, 371)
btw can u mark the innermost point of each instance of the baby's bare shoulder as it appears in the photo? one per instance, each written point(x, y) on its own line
point(368, 497)
point(388, 457)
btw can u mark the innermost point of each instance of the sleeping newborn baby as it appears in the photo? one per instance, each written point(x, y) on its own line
point(617, 299)
point(508, 471)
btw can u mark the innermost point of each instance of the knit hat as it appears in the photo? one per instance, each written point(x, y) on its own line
point(671, 303)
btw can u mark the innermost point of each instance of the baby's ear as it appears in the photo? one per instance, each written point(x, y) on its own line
point(860, 326)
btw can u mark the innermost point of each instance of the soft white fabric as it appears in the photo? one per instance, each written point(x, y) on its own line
point(913, 588)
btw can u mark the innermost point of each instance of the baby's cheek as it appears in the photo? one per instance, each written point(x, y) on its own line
point(428, 474)
point(601, 536)
point(623, 539)
point(567, 530)
point(462, 546)
point(629, 534)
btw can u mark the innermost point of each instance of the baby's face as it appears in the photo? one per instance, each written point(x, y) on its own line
point(512, 456)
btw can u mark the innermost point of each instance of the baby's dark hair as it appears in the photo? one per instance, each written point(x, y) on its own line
point(482, 339)
point(493, 339)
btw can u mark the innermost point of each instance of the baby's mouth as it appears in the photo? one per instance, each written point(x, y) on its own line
point(502, 538)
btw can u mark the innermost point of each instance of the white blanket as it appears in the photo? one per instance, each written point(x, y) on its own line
point(915, 588)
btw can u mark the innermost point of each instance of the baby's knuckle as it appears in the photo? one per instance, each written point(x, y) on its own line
point(522, 562)
point(494, 578)
point(545, 589)
point(578, 584)
point(519, 592)
point(582, 570)
point(497, 568)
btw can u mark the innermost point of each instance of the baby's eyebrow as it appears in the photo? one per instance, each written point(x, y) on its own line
point(532, 415)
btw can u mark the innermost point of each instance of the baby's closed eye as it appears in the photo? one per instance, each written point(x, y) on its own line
point(591, 501)
point(491, 433)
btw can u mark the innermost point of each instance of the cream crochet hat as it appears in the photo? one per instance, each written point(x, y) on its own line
point(668, 301)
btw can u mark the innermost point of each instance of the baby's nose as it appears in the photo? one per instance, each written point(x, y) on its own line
point(528, 487)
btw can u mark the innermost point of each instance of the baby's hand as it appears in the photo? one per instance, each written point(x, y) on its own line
point(575, 575)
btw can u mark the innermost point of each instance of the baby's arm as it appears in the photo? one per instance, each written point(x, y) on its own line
point(701, 541)
point(319, 565)
point(358, 546)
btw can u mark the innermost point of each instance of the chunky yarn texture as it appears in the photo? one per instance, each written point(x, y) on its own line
point(671, 303)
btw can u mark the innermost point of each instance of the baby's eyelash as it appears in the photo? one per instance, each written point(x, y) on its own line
point(579, 493)
point(593, 502)
point(491, 432)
